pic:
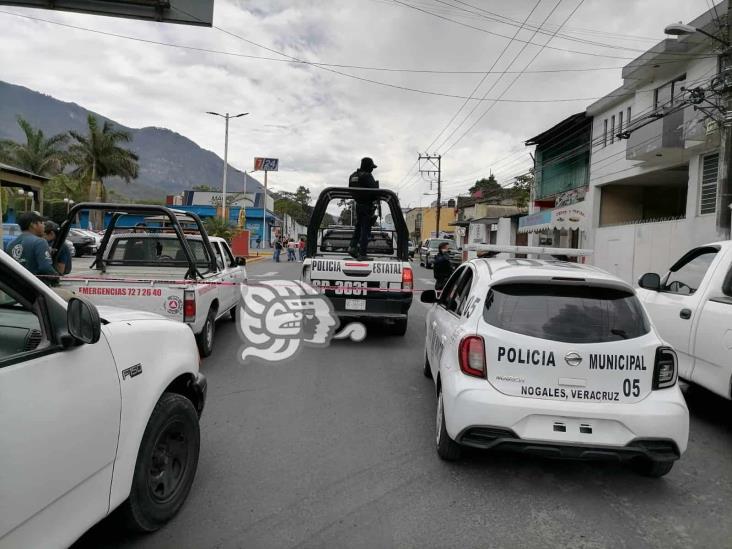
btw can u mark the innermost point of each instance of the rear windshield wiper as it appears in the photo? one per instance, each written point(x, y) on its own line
point(619, 333)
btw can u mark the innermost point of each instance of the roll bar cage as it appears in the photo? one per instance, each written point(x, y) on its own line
point(359, 194)
point(120, 210)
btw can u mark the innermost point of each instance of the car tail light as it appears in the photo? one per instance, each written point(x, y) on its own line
point(665, 370)
point(407, 278)
point(189, 306)
point(471, 354)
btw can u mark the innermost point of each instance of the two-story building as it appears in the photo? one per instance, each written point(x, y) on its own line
point(653, 188)
point(557, 215)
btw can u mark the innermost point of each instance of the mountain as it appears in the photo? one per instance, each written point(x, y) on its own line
point(169, 162)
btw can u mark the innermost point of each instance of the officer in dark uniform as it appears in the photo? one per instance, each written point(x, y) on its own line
point(30, 249)
point(364, 208)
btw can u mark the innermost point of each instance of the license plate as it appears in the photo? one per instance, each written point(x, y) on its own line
point(355, 304)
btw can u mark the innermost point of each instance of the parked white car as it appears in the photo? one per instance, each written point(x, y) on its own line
point(691, 307)
point(99, 408)
point(552, 358)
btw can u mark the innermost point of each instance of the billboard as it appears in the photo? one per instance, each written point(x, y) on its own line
point(266, 164)
point(185, 12)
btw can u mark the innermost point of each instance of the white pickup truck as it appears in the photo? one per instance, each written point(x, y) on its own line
point(99, 408)
point(691, 307)
point(191, 278)
point(378, 288)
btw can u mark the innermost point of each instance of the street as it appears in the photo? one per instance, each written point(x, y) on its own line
point(336, 449)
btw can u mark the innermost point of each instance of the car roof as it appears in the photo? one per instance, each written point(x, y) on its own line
point(534, 269)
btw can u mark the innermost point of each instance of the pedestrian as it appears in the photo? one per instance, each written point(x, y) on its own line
point(291, 247)
point(362, 178)
point(277, 251)
point(30, 249)
point(63, 257)
point(259, 242)
point(442, 268)
point(302, 249)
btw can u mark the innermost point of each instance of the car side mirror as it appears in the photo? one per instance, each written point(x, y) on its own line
point(428, 296)
point(83, 321)
point(241, 261)
point(650, 281)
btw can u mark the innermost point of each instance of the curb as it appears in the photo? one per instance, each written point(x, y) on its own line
point(257, 259)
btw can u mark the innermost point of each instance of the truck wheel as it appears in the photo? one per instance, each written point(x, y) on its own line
point(399, 328)
point(206, 337)
point(652, 468)
point(447, 449)
point(426, 370)
point(166, 464)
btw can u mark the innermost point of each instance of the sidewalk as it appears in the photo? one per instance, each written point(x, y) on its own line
point(259, 255)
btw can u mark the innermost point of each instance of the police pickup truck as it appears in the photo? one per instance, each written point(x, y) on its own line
point(99, 409)
point(552, 358)
point(191, 278)
point(377, 288)
point(691, 307)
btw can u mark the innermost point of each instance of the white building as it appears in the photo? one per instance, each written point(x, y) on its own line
point(652, 191)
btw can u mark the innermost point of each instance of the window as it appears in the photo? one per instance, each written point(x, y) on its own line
point(708, 186)
point(612, 129)
point(450, 289)
point(20, 328)
point(627, 117)
point(219, 256)
point(567, 313)
point(604, 134)
point(228, 256)
point(620, 122)
point(669, 94)
point(139, 250)
point(463, 291)
point(687, 273)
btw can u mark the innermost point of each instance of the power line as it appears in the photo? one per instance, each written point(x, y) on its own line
point(498, 58)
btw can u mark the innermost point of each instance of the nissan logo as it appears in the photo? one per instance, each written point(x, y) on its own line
point(573, 359)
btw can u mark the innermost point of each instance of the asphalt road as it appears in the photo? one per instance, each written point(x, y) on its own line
point(335, 449)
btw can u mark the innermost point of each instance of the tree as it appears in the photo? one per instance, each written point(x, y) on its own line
point(98, 155)
point(521, 188)
point(486, 186)
point(39, 155)
point(63, 186)
point(302, 197)
point(215, 226)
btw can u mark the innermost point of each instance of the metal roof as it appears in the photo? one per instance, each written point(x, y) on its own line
point(18, 171)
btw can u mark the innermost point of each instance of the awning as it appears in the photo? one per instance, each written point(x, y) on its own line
point(567, 217)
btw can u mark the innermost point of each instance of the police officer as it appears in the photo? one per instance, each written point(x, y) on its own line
point(30, 249)
point(362, 178)
point(63, 257)
point(441, 267)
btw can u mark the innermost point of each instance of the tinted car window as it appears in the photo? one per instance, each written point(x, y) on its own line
point(436, 243)
point(572, 314)
point(687, 275)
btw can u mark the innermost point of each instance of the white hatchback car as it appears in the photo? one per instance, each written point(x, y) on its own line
point(552, 358)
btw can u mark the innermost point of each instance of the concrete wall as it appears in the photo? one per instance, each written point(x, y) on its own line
point(628, 251)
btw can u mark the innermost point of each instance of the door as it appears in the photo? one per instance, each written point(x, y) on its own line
point(234, 273)
point(447, 315)
point(226, 293)
point(675, 307)
point(59, 425)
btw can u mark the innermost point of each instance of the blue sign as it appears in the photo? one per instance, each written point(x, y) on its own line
point(539, 218)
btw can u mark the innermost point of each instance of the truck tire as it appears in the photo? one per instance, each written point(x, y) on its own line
point(652, 468)
point(399, 328)
point(206, 337)
point(447, 449)
point(166, 464)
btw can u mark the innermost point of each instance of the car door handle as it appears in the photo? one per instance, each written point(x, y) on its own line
point(685, 314)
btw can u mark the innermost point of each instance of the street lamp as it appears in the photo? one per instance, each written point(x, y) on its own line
point(68, 203)
point(679, 29)
point(226, 117)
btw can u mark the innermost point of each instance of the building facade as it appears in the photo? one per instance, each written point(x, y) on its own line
point(653, 188)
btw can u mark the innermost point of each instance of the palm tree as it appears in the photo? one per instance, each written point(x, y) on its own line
point(39, 155)
point(98, 155)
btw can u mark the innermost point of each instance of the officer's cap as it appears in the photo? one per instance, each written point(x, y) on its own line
point(367, 163)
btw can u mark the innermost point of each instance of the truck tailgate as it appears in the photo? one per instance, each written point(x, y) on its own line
point(160, 298)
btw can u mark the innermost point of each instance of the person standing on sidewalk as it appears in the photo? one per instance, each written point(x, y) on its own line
point(301, 245)
point(441, 266)
point(277, 251)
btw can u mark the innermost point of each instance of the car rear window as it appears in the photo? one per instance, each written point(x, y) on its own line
point(145, 250)
point(380, 243)
point(566, 312)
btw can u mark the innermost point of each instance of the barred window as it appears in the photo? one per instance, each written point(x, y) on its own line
point(708, 192)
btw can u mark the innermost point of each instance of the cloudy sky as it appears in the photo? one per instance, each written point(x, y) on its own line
point(319, 122)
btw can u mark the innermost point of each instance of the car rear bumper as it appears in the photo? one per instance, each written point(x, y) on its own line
point(378, 307)
point(555, 427)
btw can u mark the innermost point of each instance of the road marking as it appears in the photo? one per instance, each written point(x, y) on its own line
point(264, 275)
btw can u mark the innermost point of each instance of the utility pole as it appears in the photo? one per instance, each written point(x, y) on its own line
point(724, 190)
point(226, 117)
point(432, 166)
